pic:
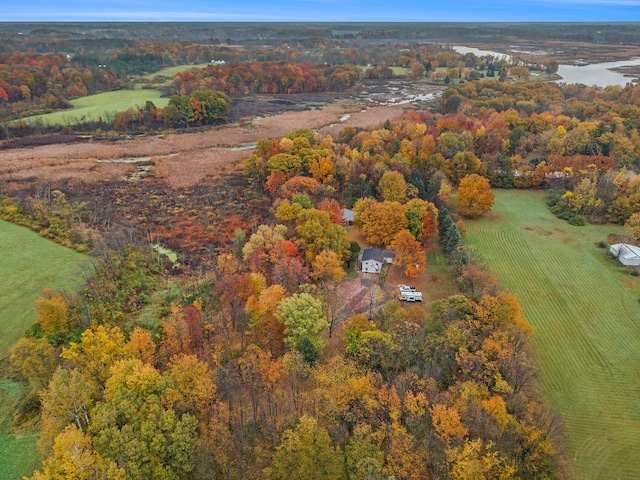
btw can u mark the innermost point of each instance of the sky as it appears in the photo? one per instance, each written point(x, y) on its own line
point(321, 11)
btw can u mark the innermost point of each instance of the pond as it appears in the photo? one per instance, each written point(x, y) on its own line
point(598, 74)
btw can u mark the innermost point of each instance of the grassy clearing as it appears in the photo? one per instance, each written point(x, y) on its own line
point(587, 317)
point(29, 263)
point(101, 105)
point(435, 282)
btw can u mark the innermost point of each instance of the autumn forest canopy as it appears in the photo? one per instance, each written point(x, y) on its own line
point(261, 352)
point(46, 67)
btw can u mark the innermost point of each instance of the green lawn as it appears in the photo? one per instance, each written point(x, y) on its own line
point(28, 264)
point(587, 317)
point(101, 104)
point(18, 456)
point(94, 106)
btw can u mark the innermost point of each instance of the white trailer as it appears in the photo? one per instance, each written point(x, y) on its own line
point(409, 294)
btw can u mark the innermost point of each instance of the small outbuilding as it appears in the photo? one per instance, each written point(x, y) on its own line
point(628, 255)
point(371, 260)
point(346, 216)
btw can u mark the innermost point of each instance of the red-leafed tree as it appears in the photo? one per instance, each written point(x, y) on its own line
point(332, 207)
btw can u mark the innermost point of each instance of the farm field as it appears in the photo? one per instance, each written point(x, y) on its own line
point(29, 264)
point(101, 104)
point(586, 314)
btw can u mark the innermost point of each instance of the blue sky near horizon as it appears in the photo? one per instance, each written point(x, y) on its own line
point(323, 11)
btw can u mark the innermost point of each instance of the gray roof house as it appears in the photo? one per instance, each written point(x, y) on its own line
point(371, 260)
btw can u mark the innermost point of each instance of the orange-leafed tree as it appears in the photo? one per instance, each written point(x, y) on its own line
point(275, 180)
point(327, 268)
point(475, 197)
point(290, 273)
point(379, 222)
point(447, 424)
point(267, 330)
point(323, 169)
point(259, 377)
point(141, 345)
point(298, 185)
point(410, 256)
point(283, 249)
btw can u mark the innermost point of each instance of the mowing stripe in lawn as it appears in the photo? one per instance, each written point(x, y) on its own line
point(587, 317)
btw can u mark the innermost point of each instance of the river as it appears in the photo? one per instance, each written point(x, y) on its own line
point(597, 74)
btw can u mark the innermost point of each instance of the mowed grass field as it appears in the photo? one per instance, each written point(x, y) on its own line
point(101, 105)
point(28, 264)
point(587, 318)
